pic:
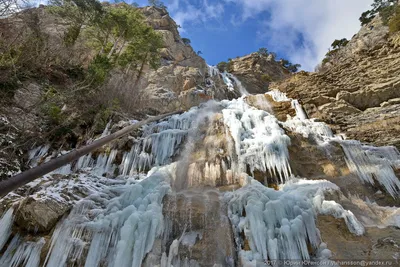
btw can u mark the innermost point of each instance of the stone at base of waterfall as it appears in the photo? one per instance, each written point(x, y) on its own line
point(376, 244)
point(40, 215)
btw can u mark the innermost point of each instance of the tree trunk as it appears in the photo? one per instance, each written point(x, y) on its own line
point(141, 70)
point(115, 46)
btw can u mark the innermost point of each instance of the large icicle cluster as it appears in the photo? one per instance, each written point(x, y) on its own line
point(158, 144)
point(374, 162)
point(280, 225)
point(277, 225)
point(314, 191)
point(22, 253)
point(116, 227)
point(260, 143)
point(18, 252)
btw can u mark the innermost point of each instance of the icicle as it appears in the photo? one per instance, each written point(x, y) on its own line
point(274, 221)
point(278, 96)
point(158, 144)
point(318, 131)
point(121, 234)
point(36, 155)
point(333, 208)
point(213, 71)
point(64, 170)
point(241, 88)
point(314, 191)
point(370, 162)
point(299, 110)
point(84, 162)
point(106, 130)
point(227, 81)
point(260, 143)
point(21, 253)
point(6, 222)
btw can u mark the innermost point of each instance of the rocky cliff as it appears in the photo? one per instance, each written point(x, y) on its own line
point(358, 93)
point(256, 72)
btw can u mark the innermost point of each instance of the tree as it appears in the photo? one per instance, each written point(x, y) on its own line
point(157, 3)
point(294, 67)
point(199, 53)
point(118, 33)
point(222, 66)
point(8, 7)
point(385, 8)
point(289, 66)
point(263, 51)
point(186, 41)
point(77, 13)
point(394, 23)
point(126, 39)
point(337, 44)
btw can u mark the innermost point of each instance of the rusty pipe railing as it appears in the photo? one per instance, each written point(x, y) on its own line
point(29, 175)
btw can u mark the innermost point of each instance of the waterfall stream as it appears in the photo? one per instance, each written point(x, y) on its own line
point(188, 192)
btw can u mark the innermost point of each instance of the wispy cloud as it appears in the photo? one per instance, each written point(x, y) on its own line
point(203, 11)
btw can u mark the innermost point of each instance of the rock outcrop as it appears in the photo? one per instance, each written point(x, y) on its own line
point(358, 93)
point(256, 72)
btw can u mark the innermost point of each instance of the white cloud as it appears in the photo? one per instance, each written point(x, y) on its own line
point(319, 22)
point(186, 11)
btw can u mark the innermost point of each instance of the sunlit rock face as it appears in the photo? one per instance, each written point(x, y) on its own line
point(357, 92)
point(256, 72)
point(227, 183)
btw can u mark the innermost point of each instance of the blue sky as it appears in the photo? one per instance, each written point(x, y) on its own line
point(299, 30)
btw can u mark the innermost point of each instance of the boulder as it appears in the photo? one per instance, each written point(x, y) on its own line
point(40, 215)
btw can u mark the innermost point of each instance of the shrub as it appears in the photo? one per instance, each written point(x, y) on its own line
point(222, 66)
point(394, 23)
point(186, 41)
point(98, 69)
point(385, 8)
point(266, 78)
point(339, 43)
point(72, 34)
point(263, 51)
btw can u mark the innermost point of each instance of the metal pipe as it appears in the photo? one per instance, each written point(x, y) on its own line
point(29, 175)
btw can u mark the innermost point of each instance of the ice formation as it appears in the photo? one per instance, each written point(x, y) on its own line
point(260, 143)
point(373, 162)
point(314, 191)
point(318, 131)
point(229, 79)
point(121, 218)
point(120, 234)
point(6, 222)
point(22, 253)
point(278, 96)
point(158, 144)
point(281, 224)
point(213, 71)
point(37, 154)
point(277, 225)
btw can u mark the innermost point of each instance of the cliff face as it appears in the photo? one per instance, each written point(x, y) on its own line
point(182, 81)
point(358, 93)
point(256, 72)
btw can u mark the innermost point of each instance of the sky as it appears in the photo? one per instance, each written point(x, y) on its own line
point(298, 30)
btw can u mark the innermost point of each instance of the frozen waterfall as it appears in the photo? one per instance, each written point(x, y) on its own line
point(213, 186)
